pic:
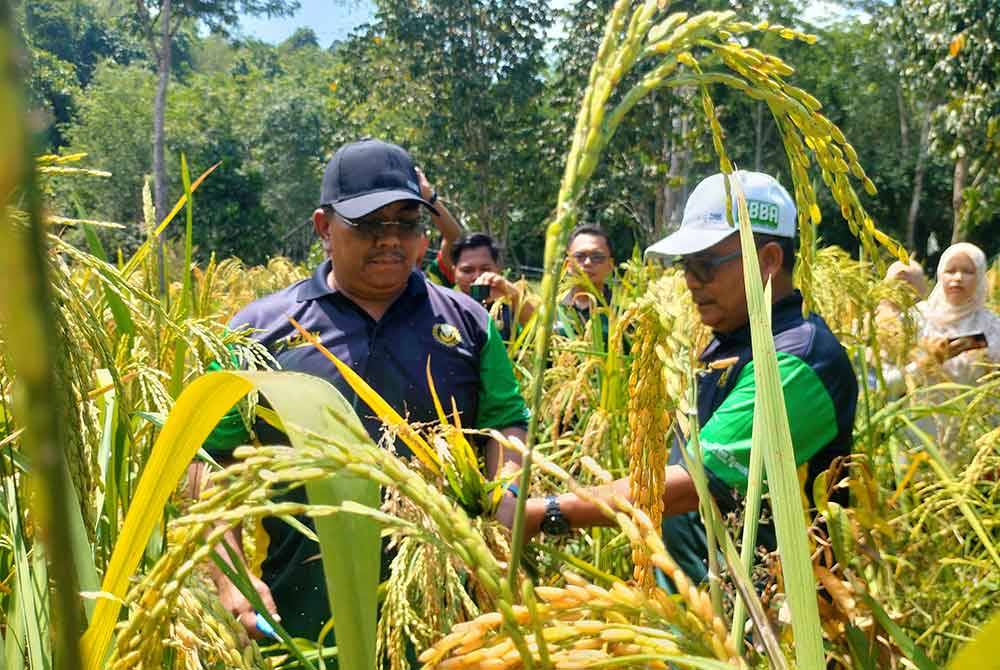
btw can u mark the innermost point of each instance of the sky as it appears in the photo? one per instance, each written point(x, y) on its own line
point(330, 19)
point(334, 19)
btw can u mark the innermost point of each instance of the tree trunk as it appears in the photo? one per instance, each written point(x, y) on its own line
point(958, 195)
point(159, 109)
point(904, 121)
point(673, 196)
point(918, 181)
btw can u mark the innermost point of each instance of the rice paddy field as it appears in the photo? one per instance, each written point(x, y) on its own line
point(105, 397)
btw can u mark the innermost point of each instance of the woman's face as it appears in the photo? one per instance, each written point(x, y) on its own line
point(959, 277)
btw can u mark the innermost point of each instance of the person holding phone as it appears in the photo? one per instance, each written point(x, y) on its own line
point(476, 259)
point(956, 328)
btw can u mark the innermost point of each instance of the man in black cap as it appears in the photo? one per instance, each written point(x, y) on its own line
point(375, 311)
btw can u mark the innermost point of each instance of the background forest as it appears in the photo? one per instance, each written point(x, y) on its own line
point(484, 93)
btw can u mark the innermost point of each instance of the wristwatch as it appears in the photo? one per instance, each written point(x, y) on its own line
point(553, 521)
point(434, 197)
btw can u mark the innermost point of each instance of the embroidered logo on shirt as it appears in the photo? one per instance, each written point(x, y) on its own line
point(294, 341)
point(446, 334)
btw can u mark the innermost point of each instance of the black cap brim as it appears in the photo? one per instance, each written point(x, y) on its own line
point(363, 205)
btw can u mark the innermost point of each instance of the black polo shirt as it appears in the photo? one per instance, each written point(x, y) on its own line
point(468, 363)
point(820, 390)
point(467, 355)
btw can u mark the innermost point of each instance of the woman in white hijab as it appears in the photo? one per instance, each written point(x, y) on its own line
point(954, 322)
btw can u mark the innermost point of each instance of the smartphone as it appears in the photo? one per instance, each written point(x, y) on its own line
point(480, 292)
point(967, 342)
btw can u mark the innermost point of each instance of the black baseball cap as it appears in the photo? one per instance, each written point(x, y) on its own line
point(368, 174)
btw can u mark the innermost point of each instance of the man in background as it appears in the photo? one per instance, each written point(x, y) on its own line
point(591, 262)
point(476, 261)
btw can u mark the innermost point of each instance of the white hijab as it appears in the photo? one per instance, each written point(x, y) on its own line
point(943, 319)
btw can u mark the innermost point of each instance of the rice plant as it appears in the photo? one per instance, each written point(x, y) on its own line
point(97, 362)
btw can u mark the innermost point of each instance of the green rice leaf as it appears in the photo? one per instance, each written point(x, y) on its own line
point(773, 436)
point(899, 636)
point(121, 313)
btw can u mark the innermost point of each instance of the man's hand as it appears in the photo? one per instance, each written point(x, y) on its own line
point(446, 224)
point(426, 190)
point(534, 509)
point(238, 605)
point(499, 286)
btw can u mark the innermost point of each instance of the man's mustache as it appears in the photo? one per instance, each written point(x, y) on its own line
point(386, 255)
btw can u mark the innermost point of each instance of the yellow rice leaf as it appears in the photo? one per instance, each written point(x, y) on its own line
point(147, 246)
point(300, 402)
point(417, 444)
point(434, 396)
point(983, 653)
point(194, 416)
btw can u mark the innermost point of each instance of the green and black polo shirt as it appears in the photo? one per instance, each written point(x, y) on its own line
point(468, 362)
point(820, 390)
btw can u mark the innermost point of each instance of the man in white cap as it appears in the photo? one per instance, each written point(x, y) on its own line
point(819, 384)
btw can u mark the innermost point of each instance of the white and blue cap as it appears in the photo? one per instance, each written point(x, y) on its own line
point(771, 208)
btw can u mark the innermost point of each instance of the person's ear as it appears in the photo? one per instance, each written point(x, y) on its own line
point(771, 257)
point(321, 224)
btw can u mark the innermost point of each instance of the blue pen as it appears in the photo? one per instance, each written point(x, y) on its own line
point(264, 627)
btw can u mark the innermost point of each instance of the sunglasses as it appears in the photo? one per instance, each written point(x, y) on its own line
point(374, 228)
point(596, 258)
point(704, 268)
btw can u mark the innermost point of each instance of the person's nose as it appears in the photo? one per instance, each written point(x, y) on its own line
point(692, 281)
point(387, 236)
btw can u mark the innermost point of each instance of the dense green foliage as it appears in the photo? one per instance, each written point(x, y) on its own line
point(484, 94)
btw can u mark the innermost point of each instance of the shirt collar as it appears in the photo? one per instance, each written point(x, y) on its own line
point(317, 285)
point(783, 313)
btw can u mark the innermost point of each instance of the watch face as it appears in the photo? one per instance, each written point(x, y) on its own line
point(554, 524)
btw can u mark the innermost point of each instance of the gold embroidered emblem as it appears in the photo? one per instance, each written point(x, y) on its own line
point(296, 340)
point(446, 334)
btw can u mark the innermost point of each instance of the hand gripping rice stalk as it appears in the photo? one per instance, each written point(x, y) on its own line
point(204, 635)
point(684, 51)
point(582, 624)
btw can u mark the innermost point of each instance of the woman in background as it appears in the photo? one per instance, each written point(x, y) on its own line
point(955, 326)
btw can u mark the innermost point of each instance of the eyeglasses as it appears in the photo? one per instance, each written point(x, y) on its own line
point(704, 267)
point(373, 228)
point(582, 257)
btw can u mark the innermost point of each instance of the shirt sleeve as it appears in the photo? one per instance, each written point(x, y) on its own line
point(726, 437)
point(436, 272)
point(443, 267)
point(500, 402)
point(230, 432)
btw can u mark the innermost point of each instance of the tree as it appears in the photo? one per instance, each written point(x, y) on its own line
point(65, 42)
point(112, 126)
point(477, 66)
point(158, 21)
point(950, 48)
